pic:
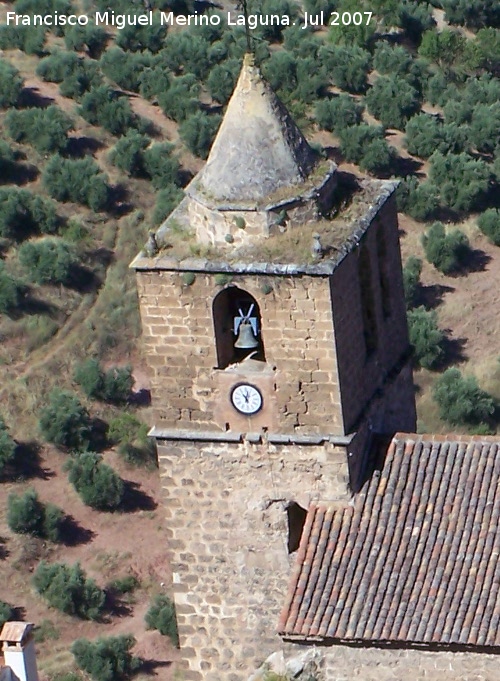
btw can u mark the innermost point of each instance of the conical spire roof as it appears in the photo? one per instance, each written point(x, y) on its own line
point(258, 148)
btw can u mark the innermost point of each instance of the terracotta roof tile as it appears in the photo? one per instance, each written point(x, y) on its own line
point(416, 559)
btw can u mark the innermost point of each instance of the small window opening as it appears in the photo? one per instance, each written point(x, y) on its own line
point(367, 301)
point(237, 327)
point(385, 288)
point(296, 521)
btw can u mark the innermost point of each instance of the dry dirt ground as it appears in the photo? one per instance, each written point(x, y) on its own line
point(108, 546)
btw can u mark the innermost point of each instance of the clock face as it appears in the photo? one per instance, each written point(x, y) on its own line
point(246, 398)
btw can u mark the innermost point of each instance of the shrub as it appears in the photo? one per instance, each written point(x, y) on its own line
point(125, 68)
point(355, 140)
point(106, 659)
point(461, 401)
point(97, 483)
point(181, 98)
point(57, 66)
point(77, 180)
point(437, 89)
point(411, 280)
point(397, 61)
point(75, 74)
point(114, 385)
point(139, 38)
point(487, 42)
point(103, 106)
point(445, 48)
point(90, 377)
point(484, 127)
point(45, 7)
point(140, 452)
point(7, 444)
point(348, 66)
point(362, 35)
point(338, 113)
point(22, 212)
point(118, 384)
point(11, 85)
point(419, 200)
point(48, 261)
point(312, 81)
point(187, 52)
point(77, 233)
point(425, 337)
point(47, 631)
point(281, 72)
point(64, 421)
point(84, 78)
point(6, 613)
point(9, 300)
point(91, 38)
point(222, 79)
point(447, 252)
point(472, 13)
point(155, 81)
point(45, 129)
point(425, 134)
point(393, 101)
point(29, 39)
point(198, 132)
point(160, 165)
point(67, 589)
point(166, 200)
point(52, 521)
point(127, 154)
point(161, 616)
point(302, 41)
point(274, 33)
point(125, 428)
point(124, 585)
point(27, 515)
point(489, 224)
point(378, 157)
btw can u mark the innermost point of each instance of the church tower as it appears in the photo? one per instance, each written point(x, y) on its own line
point(275, 331)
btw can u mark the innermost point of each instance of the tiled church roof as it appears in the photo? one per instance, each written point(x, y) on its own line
point(416, 559)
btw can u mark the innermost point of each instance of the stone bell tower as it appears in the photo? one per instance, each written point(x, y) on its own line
point(275, 330)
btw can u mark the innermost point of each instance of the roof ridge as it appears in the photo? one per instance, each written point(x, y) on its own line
point(445, 437)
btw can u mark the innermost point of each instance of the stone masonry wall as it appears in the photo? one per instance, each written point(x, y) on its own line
point(297, 330)
point(227, 533)
point(212, 226)
point(344, 663)
point(361, 375)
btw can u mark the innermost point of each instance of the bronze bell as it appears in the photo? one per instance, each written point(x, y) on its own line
point(246, 338)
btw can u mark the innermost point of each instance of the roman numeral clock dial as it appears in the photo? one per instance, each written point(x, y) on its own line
point(246, 398)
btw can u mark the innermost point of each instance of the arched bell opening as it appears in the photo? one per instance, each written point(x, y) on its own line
point(237, 327)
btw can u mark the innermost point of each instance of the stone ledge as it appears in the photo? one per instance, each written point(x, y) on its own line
point(253, 438)
point(195, 435)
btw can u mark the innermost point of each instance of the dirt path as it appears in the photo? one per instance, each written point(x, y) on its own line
point(152, 112)
point(141, 107)
point(44, 90)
